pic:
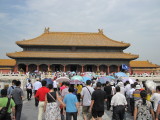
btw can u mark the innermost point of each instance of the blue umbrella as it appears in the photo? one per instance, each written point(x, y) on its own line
point(80, 78)
point(104, 79)
point(48, 80)
point(85, 79)
point(111, 77)
point(121, 74)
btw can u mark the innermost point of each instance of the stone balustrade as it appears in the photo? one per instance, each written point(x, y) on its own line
point(6, 79)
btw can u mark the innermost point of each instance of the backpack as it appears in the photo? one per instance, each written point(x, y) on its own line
point(3, 111)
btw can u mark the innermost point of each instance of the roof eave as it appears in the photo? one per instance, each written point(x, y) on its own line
point(23, 45)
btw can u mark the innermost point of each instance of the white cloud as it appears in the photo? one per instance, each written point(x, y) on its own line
point(132, 21)
point(3, 15)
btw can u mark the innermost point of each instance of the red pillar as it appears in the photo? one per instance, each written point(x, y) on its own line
point(118, 68)
point(82, 68)
point(64, 68)
point(26, 68)
point(48, 67)
point(97, 68)
point(38, 68)
point(16, 68)
point(108, 70)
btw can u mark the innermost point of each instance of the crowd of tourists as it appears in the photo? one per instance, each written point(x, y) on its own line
point(63, 101)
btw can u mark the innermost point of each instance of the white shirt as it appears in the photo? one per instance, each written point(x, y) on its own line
point(87, 95)
point(29, 86)
point(127, 89)
point(37, 85)
point(131, 93)
point(122, 90)
point(55, 83)
point(118, 99)
point(155, 98)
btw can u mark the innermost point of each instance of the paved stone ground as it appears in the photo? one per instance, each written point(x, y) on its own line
point(30, 112)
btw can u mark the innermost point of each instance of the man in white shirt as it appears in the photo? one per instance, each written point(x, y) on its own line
point(118, 103)
point(29, 89)
point(86, 100)
point(55, 83)
point(36, 86)
point(156, 98)
point(127, 89)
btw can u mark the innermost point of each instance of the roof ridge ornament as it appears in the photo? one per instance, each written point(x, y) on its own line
point(46, 30)
point(100, 31)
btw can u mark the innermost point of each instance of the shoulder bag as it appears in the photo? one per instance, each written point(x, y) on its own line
point(3, 111)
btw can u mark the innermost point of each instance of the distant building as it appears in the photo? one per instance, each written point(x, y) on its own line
point(7, 65)
point(71, 51)
point(139, 67)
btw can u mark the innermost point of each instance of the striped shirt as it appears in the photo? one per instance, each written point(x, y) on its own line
point(136, 95)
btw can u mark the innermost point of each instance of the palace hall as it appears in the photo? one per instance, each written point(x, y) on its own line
point(71, 51)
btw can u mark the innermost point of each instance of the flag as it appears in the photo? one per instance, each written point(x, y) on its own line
point(125, 67)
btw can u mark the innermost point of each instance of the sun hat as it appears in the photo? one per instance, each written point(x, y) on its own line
point(120, 84)
point(138, 87)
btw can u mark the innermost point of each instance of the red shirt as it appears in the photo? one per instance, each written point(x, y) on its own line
point(41, 92)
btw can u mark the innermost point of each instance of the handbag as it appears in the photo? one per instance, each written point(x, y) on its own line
point(3, 111)
point(60, 106)
point(52, 97)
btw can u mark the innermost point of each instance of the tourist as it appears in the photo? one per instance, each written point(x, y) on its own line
point(136, 93)
point(86, 94)
point(40, 95)
point(121, 85)
point(131, 98)
point(143, 108)
point(72, 105)
point(29, 88)
point(36, 86)
point(97, 102)
point(158, 112)
point(79, 89)
point(17, 95)
point(62, 87)
point(55, 85)
point(51, 107)
point(156, 98)
point(113, 88)
point(3, 103)
point(118, 104)
point(10, 89)
point(108, 90)
point(127, 89)
point(65, 90)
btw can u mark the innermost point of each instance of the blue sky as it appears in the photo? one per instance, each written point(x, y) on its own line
point(133, 21)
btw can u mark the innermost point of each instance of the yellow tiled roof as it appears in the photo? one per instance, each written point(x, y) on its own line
point(142, 64)
point(7, 62)
point(6, 68)
point(81, 55)
point(73, 39)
